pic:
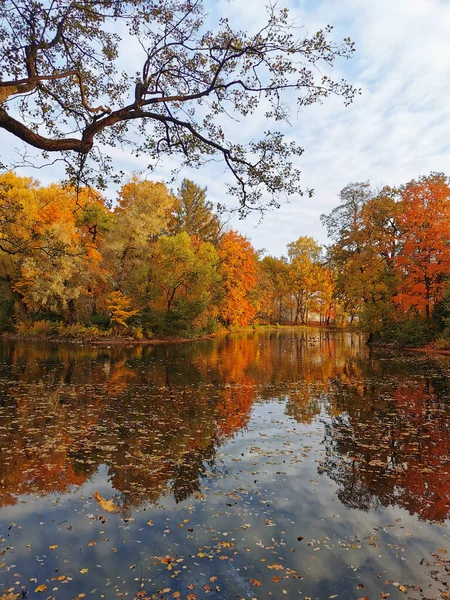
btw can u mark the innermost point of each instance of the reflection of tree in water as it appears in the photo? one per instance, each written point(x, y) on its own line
point(389, 443)
point(153, 415)
point(155, 429)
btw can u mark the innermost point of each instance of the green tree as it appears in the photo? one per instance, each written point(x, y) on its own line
point(193, 213)
point(179, 281)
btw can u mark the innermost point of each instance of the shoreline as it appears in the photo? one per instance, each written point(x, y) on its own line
point(113, 341)
point(119, 341)
point(423, 350)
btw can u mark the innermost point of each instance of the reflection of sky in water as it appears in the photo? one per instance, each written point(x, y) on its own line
point(261, 488)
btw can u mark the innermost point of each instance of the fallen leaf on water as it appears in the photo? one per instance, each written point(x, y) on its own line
point(276, 566)
point(41, 588)
point(107, 505)
point(83, 571)
point(53, 547)
point(255, 582)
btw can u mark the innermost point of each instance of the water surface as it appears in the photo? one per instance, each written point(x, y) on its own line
point(284, 464)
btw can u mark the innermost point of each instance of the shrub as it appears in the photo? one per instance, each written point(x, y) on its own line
point(40, 329)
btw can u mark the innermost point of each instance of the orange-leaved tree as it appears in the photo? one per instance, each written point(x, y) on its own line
point(424, 258)
point(237, 269)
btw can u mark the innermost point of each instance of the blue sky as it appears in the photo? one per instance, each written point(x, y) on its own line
point(398, 129)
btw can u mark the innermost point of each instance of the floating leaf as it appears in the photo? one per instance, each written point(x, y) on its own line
point(107, 505)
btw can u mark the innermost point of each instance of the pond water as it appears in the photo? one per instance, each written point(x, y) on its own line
point(291, 464)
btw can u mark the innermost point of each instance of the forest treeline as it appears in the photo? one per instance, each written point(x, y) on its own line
point(166, 264)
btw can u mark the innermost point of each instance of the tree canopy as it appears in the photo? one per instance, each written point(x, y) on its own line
point(68, 86)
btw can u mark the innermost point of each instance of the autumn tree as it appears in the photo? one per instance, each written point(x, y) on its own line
point(66, 88)
point(63, 264)
point(365, 234)
point(48, 257)
point(237, 269)
point(424, 259)
point(276, 289)
point(141, 215)
point(120, 307)
point(305, 257)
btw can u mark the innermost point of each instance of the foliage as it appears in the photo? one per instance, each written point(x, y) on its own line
point(392, 256)
point(424, 259)
point(120, 307)
point(67, 89)
point(193, 214)
point(179, 281)
point(160, 264)
point(237, 269)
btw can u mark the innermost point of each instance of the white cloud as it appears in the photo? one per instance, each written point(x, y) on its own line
point(398, 129)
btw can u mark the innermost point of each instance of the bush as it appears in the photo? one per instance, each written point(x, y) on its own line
point(39, 329)
point(412, 332)
point(100, 320)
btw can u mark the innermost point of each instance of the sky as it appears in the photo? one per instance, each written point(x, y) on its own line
point(397, 129)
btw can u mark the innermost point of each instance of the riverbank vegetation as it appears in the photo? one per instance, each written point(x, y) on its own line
point(391, 259)
point(161, 263)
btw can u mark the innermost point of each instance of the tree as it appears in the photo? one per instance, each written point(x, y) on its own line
point(362, 249)
point(59, 262)
point(193, 213)
point(120, 307)
point(305, 268)
point(237, 269)
point(424, 259)
point(179, 280)
point(276, 291)
point(63, 91)
point(142, 214)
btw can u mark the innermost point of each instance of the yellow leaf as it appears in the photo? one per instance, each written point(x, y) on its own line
point(83, 571)
point(53, 547)
point(41, 588)
point(107, 505)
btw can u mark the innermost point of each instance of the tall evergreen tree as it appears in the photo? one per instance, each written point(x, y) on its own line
point(193, 214)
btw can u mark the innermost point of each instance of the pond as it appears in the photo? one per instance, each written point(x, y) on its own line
point(291, 463)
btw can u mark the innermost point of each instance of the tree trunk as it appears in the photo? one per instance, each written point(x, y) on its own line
point(72, 311)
